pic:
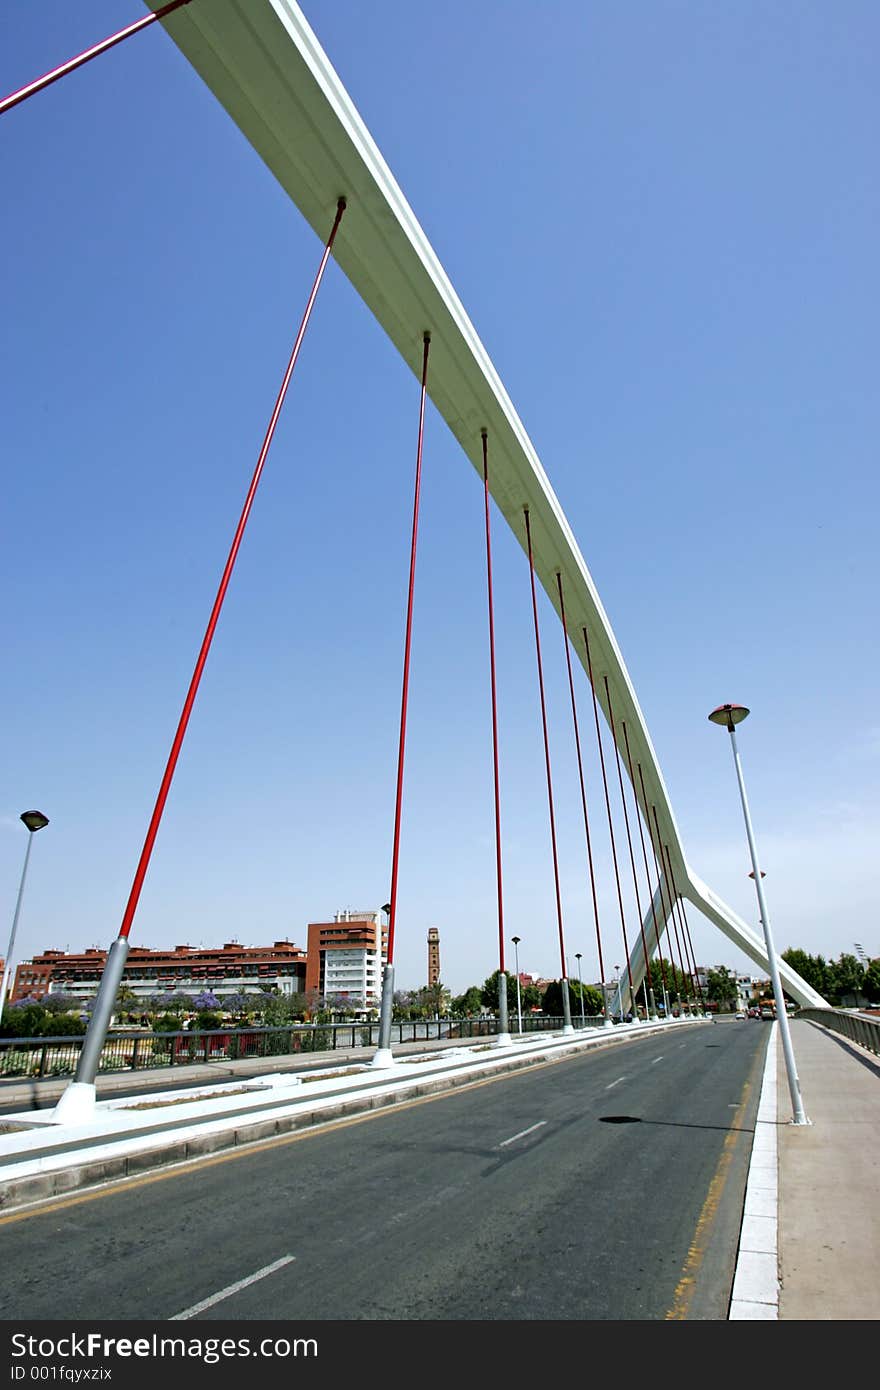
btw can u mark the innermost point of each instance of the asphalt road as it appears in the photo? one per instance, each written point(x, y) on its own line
point(605, 1186)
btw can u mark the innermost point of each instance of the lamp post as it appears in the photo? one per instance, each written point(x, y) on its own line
point(727, 717)
point(617, 988)
point(577, 956)
point(516, 940)
point(34, 820)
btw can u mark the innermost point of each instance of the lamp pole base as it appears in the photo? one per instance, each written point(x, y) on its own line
point(383, 1058)
point(76, 1106)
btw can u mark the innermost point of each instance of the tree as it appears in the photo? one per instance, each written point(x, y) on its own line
point(60, 1003)
point(813, 970)
point(846, 978)
point(469, 1003)
point(402, 1005)
point(278, 1010)
point(489, 992)
point(871, 984)
point(171, 1002)
point(431, 1001)
point(206, 1001)
point(346, 1004)
point(721, 986)
point(553, 999)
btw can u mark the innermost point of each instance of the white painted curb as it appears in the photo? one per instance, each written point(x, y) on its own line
point(756, 1281)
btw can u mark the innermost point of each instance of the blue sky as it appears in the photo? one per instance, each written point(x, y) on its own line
point(661, 219)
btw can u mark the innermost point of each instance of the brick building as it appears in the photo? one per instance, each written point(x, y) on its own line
point(230, 969)
point(346, 956)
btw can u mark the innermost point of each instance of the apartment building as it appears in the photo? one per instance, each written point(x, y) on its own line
point(346, 956)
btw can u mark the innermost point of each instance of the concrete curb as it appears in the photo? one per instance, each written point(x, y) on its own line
point(755, 1294)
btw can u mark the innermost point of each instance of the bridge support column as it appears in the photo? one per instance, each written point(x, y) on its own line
point(383, 1056)
point(503, 1039)
point(76, 1106)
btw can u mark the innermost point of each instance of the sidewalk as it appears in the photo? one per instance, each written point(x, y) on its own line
point(829, 1181)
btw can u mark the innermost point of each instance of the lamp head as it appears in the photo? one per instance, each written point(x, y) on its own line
point(729, 715)
point(34, 820)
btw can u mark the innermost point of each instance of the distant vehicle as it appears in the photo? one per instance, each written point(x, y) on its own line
point(740, 1014)
point(754, 1013)
point(767, 1013)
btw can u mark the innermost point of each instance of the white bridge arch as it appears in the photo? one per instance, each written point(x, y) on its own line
point(265, 66)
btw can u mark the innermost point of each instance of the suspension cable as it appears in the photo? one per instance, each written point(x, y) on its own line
point(680, 921)
point(632, 858)
point(404, 698)
point(685, 930)
point(644, 858)
point(580, 763)
point(39, 84)
point(608, 810)
point(671, 935)
point(658, 931)
point(547, 758)
point(498, 879)
point(147, 850)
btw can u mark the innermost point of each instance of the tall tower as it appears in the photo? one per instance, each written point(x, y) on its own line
point(433, 956)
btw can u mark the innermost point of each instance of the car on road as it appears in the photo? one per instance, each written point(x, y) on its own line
point(767, 1013)
point(739, 1014)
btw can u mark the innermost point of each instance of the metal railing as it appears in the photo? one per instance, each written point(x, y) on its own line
point(857, 1027)
point(142, 1051)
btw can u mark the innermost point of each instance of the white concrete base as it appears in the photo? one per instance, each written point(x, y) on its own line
point(567, 1030)
point(383, 1058)
point(608, 1023)
point(504, 1040)
point(76, 1106)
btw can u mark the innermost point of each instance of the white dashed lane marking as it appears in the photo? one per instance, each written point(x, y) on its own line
point(231, 1289)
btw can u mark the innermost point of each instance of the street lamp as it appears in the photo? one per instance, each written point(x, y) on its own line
point(617, 988)
point(577, 956)
point(516, 940)
point(34, 820)
point(727, 717)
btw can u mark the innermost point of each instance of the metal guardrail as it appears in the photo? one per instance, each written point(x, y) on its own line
point(140, 1051)
point(857, 1027)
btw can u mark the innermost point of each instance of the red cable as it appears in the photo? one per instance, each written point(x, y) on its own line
point(632, 993)
point(498, 878)
point(685, 931)
point(40, 83)
point(404, 699)
point(676, 911)
point(670, 915)
point(608, 809)
point(577, 741)
point(546, 747)
point(632, 858)
point(147, 850)
point(644, 858)
point(657, 929)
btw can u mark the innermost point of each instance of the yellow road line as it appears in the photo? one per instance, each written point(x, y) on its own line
point(686, 1286)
